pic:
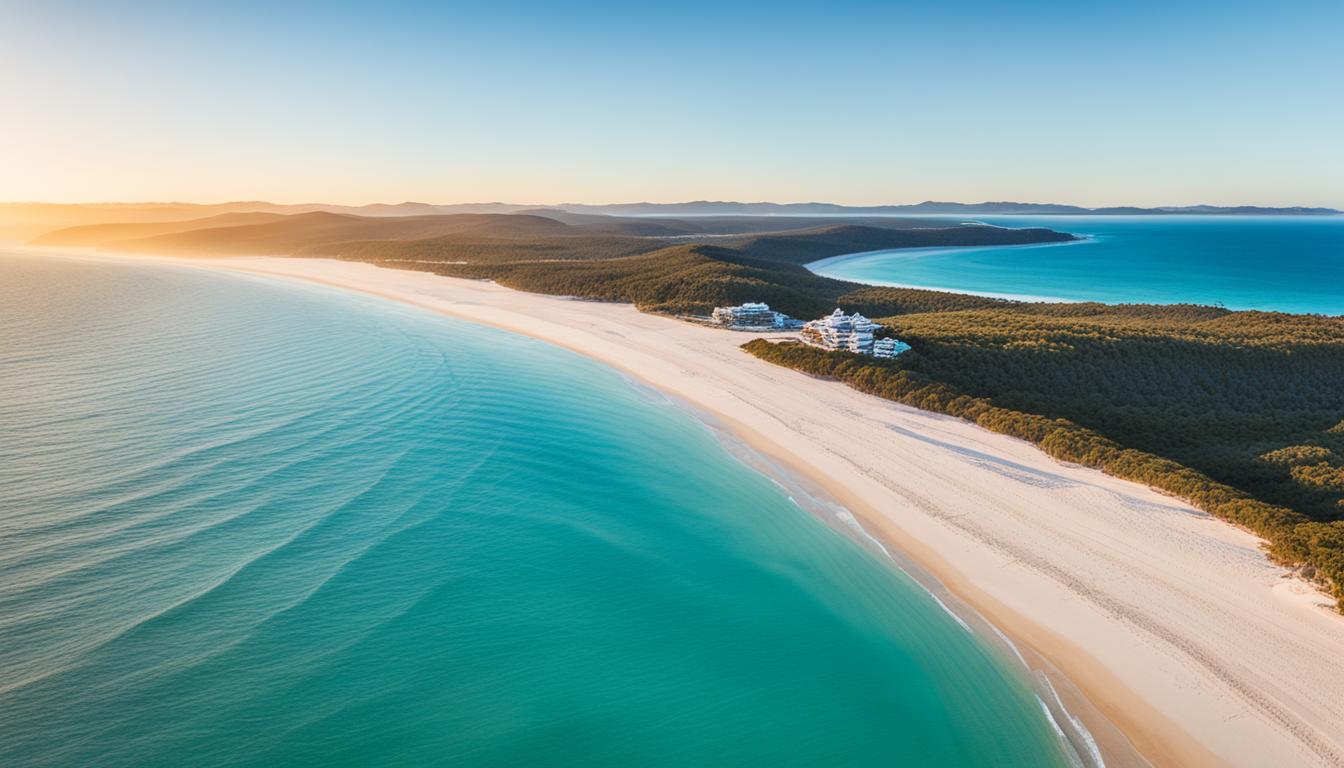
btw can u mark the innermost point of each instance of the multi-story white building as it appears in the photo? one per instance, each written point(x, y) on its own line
point(750, 314)
point(753, 314)
point(852, 333)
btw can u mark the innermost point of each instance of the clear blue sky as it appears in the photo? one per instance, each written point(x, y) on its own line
point(1137, 102)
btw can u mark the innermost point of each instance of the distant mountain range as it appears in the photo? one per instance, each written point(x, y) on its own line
point(928, 207)
point(20, 222)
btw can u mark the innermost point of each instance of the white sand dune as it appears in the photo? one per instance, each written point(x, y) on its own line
point(1173, 624)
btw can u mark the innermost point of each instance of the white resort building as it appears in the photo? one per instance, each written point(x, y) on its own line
point(753, 314)
point(851, 333)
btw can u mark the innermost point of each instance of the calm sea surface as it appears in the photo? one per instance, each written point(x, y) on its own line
point(245, 523)
point(1281, 263)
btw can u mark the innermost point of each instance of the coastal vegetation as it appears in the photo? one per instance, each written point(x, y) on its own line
point(687, 279)
point(1237, 412)
point(1240, 413)
point(690, 278)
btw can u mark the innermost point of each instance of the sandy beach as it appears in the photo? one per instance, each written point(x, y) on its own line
point(1173, 625)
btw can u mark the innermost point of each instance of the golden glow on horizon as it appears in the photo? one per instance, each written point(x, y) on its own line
point(79, 162)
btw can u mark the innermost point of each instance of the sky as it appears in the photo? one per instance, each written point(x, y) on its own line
point(1143, 103)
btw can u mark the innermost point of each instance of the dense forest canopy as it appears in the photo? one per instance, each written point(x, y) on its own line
point(1248, 398)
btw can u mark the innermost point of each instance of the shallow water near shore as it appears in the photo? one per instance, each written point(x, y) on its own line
point(1272, 263)
point(261, 524)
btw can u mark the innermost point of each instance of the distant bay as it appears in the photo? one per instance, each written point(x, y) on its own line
point(1272, 263)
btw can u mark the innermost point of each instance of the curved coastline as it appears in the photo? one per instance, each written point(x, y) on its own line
point(1154, 731)
point(818, 267)
point(1045, 679)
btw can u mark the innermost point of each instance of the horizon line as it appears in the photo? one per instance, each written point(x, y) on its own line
point(700, 201)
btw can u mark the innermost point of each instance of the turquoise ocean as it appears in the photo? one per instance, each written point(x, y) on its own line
point(1278, 263)
point(252, 523)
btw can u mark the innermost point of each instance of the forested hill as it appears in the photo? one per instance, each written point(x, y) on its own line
point(287, 234)
point(103, 234)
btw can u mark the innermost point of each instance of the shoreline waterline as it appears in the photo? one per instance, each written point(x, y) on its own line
point(817, 498)
point(818, 268)
point(1154, 734)
point(1090, 730)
